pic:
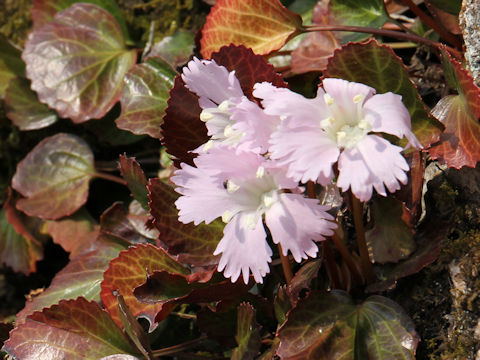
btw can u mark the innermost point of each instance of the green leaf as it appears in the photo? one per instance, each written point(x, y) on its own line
point(73, 329)
point(43, 11)
point(451, 6)
point(193, 245)
point(262, 25)
point(248, 334)
point(24, 109)
point(175, 49)
point(11, 65)
point(282, 304)
point(77, 62)
point(54, 177)
point(328, 325)
point(391, 239)
point(377, 66)
point(367, 13)
point(144, 97)
point(129, 270)
point(133, 174)
point(19, 249)
point(81, 277)
point(459, 145)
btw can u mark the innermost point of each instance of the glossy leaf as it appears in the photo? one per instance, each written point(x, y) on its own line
point(133, 174)
point(129, 270)
point(175, 49)
point(24, 109)
point(303, 278)
point(367, 13)
point(330, 326)
point(81, 277)
point(73, 329)
point(391, 238)
point(317, 47)
point(77, 62)
point(11, 65)
point(377, 66)
point(144, 97)
point(193, 245)
point(262, 25)
point(19, 249)
point(73, 234)
point(54, 177)
point(459, 145)
point(127, 225)
point(183, 130)
point(282, 304)
point(248, 334)
point(43, 11)
point(429, 239)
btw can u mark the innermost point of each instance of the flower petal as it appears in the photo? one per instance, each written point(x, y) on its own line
point(285, 103)
point(343, 91)
point(373, 162)
point(244, 250)
point(209, 80)
point(296, 222)
point(307, 151)
point(387, 113)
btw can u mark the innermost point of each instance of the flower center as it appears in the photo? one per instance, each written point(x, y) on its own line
point(220, 124)
point(345, 124)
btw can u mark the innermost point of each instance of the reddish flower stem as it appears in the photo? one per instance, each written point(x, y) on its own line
point(433, 24)
point(347, 257)
point(361, 242)
point(287, 268)
point(383, 32)
point(109, 177)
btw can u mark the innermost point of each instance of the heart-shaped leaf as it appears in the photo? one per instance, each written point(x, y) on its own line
point(11, 64)
point(248, 334)
point(43, 11)
point(19, 249)
point(81, 277)
point(367, 13)
point(129, 270)
point(262, 25)
point(193, 245)
point(23, 107)
point(330, 326)
point(54, 177)
point(183, 130)
point(74, 329)
point(135, 177)
point(77, 62)
point(175, 49)
point(377, 66)
point(391, 239)
point(75, 233)
point(459, 145)
point(144, 97)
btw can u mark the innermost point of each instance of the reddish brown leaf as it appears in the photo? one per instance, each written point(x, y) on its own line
point(77, 62)
point(459, 145)
point(136, 180)
point(262, 25)
point(129, 270)
point(248, 334)
point(74, 234)
point(183, 130)
point(54, 177)
point(73, 329)
point(303, 278)
point(81, 277)
point(19, 249)
point(144, 97)
point(193, 245)
point(377, 66)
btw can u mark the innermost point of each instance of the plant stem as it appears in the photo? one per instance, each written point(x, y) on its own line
point(382, 32)
point(287, 268)
point(178, 348)
point(361, 242)
point(331, 265)
point(109, 177)
point(357, 277)
point(433, 24)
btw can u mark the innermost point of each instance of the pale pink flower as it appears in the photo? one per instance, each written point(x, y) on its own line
point(245, 190)
point(230, 117)
point(339, 125)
